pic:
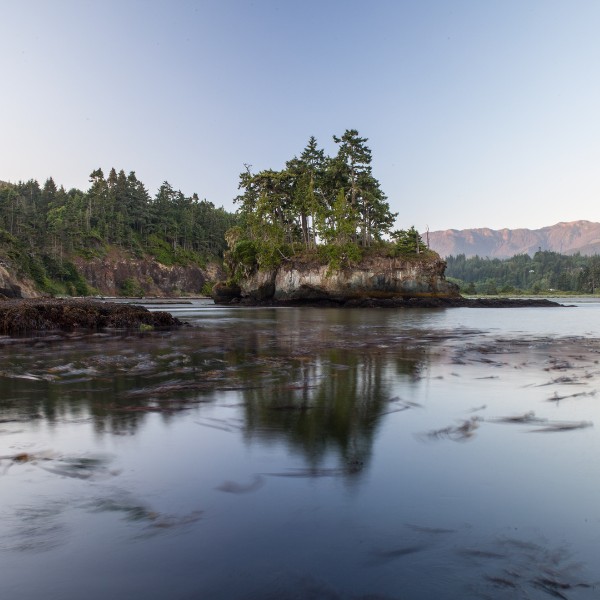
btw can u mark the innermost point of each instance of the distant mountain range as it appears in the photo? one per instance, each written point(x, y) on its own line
point(566, 238)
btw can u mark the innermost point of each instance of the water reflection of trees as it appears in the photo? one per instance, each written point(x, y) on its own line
point(330, 404)
point(94, 382)
point(321, 389)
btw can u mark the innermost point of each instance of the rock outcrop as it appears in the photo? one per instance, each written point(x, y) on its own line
point(377, 277)
point(23, 316)
point(109, 276)
point(12, 286)
point(117, 274)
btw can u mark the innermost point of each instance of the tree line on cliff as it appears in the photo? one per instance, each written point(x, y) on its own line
point(328, 207)
point(545, 271)
point(43, 227)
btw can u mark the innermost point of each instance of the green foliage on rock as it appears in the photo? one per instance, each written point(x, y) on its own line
point(207, 288)
point(325, 208)
point(131, 288)
point(317, 197)
point(338, 256)
point(41, 226)
point(408, 242)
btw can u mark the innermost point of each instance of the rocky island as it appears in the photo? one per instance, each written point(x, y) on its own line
point(377, 281)
point(304, 281)
point(321, 232)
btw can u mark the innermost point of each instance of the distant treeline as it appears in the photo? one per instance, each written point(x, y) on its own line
point(545, 271)
point(42, 226)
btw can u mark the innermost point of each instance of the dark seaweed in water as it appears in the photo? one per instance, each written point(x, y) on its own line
point(311, 479)
point(459, 433)
point(22, 316)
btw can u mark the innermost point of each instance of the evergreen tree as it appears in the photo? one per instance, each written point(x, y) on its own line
point(367, 206)
point(307, 196)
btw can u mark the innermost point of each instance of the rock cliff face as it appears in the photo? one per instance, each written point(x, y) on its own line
point(115, 274)
point(109, 276)
point(13, 287)
point(375, 277)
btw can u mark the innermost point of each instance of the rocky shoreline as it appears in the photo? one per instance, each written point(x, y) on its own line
point(399, 302)
point(377, 281)
point(22, 316)
point(27, 315)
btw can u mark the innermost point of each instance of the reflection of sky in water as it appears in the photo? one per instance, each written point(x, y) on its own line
point(528, 320)
point(302, 453)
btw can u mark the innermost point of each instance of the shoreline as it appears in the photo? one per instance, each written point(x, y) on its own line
point(26, 315)
point(400, 302)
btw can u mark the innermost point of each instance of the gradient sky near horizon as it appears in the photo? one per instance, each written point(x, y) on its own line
point(479, 113)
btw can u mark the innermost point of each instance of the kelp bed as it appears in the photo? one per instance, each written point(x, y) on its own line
point(25, 316)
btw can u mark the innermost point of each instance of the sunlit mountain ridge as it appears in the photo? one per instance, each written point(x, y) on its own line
point(565, 238)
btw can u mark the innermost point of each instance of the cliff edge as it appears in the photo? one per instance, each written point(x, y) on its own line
point(115, 274)
point(374, 277)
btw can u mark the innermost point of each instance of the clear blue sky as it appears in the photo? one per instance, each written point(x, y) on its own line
point(479, 113)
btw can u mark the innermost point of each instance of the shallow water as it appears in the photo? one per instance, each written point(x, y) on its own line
point(306, 453)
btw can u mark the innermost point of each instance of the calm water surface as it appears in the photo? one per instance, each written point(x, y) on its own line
point(305, 453)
